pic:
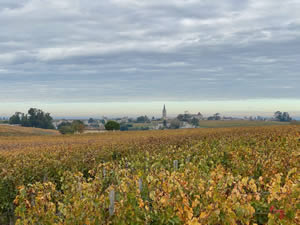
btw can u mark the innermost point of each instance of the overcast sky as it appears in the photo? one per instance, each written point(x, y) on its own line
point(101, 53)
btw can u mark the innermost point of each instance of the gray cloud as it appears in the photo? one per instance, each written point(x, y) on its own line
point(136, 50)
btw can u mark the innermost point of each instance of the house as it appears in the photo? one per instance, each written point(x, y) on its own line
point(186, 125)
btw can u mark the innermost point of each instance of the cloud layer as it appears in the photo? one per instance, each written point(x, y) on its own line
point(141, 50)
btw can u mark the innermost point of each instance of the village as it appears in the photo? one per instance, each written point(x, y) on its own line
point(182, 121)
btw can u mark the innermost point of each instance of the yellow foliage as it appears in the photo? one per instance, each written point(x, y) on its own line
point(226, 176)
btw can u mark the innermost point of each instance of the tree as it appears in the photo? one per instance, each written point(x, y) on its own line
point(123, 127)
point(63, 124)
point(195, 122)
point(286, 117)
point(283, 117)
point(91, 120)
point(184, 117)
point(25, 121)
point(78, 126)
point(165, 123)
point(16, 118)
point(216, 116)
point(142, 119)
point(278, 116)
point(175, 124)
point(112, 125)
point(34, 118)
point(180, 117)
point(37, 118)
point(67, 129)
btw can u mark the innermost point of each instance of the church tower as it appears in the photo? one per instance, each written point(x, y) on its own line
point(164, 113)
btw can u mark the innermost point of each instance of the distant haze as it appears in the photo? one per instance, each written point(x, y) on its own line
point(129, 57)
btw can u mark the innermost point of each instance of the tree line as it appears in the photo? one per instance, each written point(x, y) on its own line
point(34, 118)
point(282, 116)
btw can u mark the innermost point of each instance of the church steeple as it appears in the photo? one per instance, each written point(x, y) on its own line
point(164, 113)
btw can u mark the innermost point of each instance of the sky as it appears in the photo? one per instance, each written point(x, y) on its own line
point(129, 57)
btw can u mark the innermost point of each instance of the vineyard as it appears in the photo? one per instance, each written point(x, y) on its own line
point(197, 176)
point(8, 130)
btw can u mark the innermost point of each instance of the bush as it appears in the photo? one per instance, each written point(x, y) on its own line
point(112, 125)
point(76, 126)
point(66, 130)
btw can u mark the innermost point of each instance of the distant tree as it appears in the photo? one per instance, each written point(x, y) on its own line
point(286, 117)
point(112, 125)
point(165, 123)
point(184, 117)
point(66, 129)
point(175, 124)
point(180, 117)
point(123, 127)
point(25, 121)
point(216, 116)
point(195, 122)
point(63, 124)
point(37, 118)
point(283, 117)
point(34, 118)
point(78, 126)
point(278, 116)
point(91, 120)
point(16, 118)
point(142, 119)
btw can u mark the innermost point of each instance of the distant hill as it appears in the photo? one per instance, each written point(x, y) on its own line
point(8, 130)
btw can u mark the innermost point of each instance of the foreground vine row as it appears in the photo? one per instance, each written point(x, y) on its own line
point(224, 176)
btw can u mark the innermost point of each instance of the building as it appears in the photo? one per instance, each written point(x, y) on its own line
point(198, 116)
point(164, 113)
point(186, 125)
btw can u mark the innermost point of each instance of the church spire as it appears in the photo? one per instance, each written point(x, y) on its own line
point(164, 113)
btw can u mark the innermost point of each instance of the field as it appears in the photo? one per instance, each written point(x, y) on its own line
point(219, 123)
point(237, 123)
point(243, 175)
point(7, 130)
